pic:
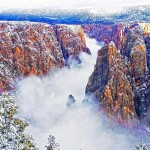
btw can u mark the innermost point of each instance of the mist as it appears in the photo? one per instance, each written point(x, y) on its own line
point(42, 102)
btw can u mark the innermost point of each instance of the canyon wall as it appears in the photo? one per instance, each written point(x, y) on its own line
point(120, 81)
point(35, 49)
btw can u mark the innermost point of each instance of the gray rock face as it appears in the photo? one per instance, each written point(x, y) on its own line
point(147, 42)
point(99, 78)
point(142, 100)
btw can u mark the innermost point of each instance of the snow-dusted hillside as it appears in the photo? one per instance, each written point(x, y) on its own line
point(78, 16)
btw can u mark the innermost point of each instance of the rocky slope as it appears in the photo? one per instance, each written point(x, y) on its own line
point(35, 49)
point(121, 80)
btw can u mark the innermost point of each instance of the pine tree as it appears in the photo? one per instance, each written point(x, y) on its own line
point(52, 145)
point(12, 136)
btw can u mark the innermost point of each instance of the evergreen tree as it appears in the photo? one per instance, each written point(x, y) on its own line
point(52, 145)
point(12, 136)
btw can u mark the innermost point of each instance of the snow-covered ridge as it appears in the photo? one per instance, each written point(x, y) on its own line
point(79, 16)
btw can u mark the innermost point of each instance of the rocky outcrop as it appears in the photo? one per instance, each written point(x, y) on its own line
point(146, 28)
point(35, 49)
point(134, 49)
point(71, 101)
point(99, 78)
point(142, 100)
point(114, 91)
point(120, 81)
point(137, 52)
point(107, 33)
point(72, 43)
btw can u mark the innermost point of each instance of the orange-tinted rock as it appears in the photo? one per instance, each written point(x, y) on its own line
point(35, 49)
point(135, 50)
point(118, 100)
point(114, 92)
point(82, 36)
point(138, 60)
point(72, 43)
point(145, 27)
point(107, 33)
point(112, 55)
point(99, 78)
point(120, 81)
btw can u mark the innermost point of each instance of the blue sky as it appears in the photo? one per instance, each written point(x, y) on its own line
point(69, 4)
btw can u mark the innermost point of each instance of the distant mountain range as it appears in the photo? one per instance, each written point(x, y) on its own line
point(79, 16)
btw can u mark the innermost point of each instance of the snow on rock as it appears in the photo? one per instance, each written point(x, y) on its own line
point(35, 49)
point(121, 81)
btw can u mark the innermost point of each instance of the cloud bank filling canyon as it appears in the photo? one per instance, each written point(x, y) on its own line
point(43, 103)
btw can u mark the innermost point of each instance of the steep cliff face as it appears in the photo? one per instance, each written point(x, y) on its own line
point(107, 33)
point(99, 78)
point(146, 29)
point(25, 50)
point(120, 81)
point(72, 41)
point(35, 49)
point(114, 91)
point(137, 52)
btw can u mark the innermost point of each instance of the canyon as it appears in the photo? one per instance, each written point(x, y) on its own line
point(120, 82)
point(49, 67)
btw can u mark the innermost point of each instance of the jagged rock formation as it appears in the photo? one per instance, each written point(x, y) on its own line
point(120, 81)
point(99, 78)
point(113, 89)
point(35, 49)
point(71, 101)
point(146, 28)
point(134, 48)
point(71, 42)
